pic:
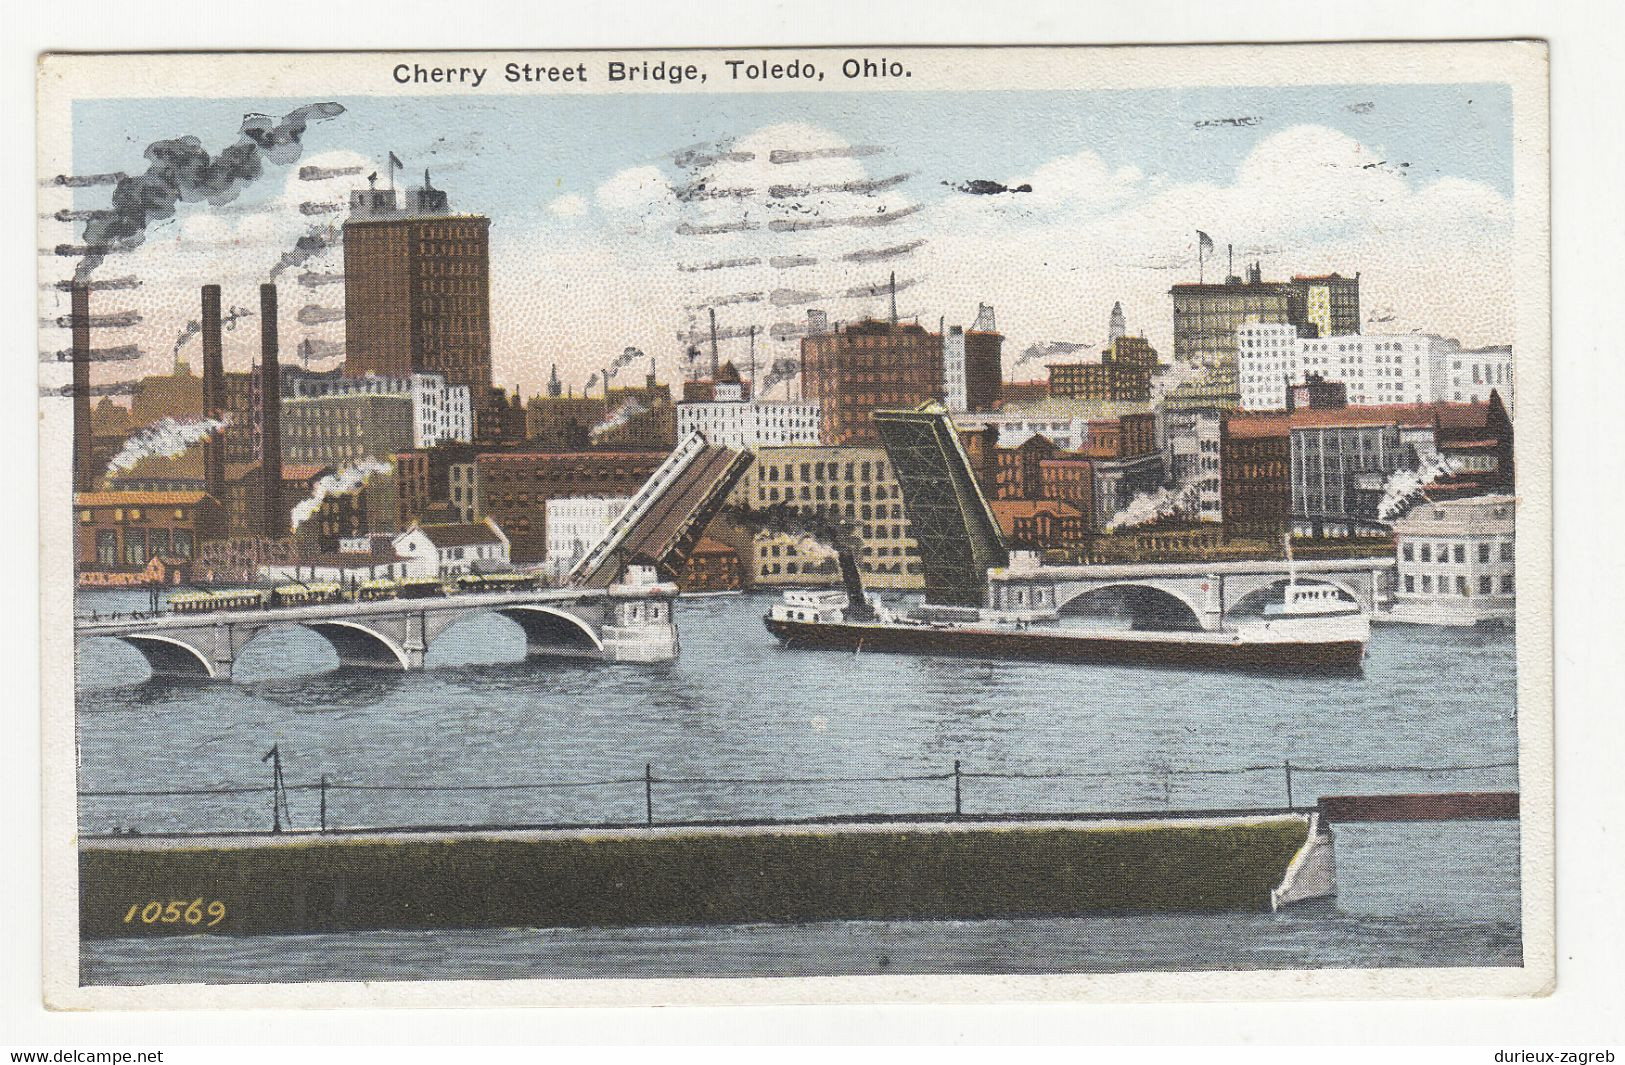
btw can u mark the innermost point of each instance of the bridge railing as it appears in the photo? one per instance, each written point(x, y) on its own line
point(333, 804)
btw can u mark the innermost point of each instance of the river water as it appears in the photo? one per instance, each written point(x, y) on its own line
point(735, 706)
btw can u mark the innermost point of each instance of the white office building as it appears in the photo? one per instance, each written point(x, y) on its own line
point(740, 424)
point(575, 524)
point(953, 370)
point(1456, 562)
point(1376, 369)
point(441, 413)
point(1471, 374)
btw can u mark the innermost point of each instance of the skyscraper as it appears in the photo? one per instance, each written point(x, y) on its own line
point(417, 289)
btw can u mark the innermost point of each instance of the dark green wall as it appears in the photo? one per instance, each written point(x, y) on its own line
point(699, 877)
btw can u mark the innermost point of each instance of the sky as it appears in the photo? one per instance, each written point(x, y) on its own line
point(618, 220)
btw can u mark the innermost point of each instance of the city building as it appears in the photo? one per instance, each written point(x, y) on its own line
point(441, 413)
point(854, 485)
point(342, 429)
point(178, 395)
point(1374, 369)
point(1471, 374)
point(562, 421)
point(576, 523)
point(1018, 471)
point(124, 531)
point(1125, 460)
point(1314, 392)
point(712, 567)
point(1064, 421)
point(417, 292)
point(452, 550)
point(1193, 439)
point(1255, 476)
point(1069, 478)
point(733, 418)
point(1325, 305)
point(1041, 524)
point(868, 366)
point(1122, 373)
point(1456, 562)
point(514, 487)
point(1206, 318)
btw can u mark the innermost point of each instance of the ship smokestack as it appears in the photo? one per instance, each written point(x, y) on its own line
point(274, 525)
point(84, 476)
point(214, 395)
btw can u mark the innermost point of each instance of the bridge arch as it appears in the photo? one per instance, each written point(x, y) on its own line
point(552, 631)
point(169, 657)
point(359, 645)
point(1147, 601)
point(1253, 599)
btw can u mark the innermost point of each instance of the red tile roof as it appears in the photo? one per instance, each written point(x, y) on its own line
point(137, 499)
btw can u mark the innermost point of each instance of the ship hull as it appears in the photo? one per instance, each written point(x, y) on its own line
point(1195, 650)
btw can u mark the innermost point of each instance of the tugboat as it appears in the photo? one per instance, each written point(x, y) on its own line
point(1313, 630)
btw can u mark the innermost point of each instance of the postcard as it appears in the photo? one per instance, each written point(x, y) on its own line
point(796, 525)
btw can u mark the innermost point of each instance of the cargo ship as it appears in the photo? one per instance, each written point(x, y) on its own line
point(1312, 630)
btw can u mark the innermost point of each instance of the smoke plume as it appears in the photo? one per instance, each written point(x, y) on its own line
point(1177, 502)
point(1404, 487)
point(317, 240)
point(625, 413)
point(165, 437)
point(346, 480)
point(182, 171)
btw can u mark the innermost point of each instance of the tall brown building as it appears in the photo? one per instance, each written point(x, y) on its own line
point(515, 486)
point(417, 290)
point(868, 366)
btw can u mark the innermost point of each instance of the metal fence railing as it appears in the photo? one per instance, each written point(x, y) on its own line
point(329, 804)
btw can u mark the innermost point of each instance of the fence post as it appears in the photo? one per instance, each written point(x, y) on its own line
point(274, 756)
point(324, 802)
point(1287, 762)
point(648, 793)
point(957, 807)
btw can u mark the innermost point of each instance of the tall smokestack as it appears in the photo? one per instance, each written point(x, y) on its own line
point(84, 477)
point(752, 396)
point(214, 395)
point(274, 525)
point(713, 345)
point(894, 297)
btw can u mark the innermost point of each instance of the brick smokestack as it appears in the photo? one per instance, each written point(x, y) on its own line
point(84, 476)
point(274, 525)
point(214, 395)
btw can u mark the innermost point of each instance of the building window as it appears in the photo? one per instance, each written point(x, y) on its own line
point(1484, 554)
point(1461, 552)
point(1427, 552)
point(1427, 582)
point(1506, 551)
point(1506, 584)
point(1484, 586)
point(1461, 587)
point(1409, 552)
point(1410, 583)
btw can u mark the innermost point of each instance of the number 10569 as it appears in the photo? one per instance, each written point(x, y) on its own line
point(177, 911)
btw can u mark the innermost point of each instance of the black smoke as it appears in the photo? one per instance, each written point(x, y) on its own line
point(182, 171)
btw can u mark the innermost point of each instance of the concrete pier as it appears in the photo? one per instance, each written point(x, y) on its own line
point(961, 868)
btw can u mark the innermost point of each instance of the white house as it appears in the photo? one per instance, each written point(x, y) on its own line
point(448, 550)
point(1457, 562)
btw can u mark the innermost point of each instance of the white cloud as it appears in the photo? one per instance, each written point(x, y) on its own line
point(635, 189)
point(570, 205)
